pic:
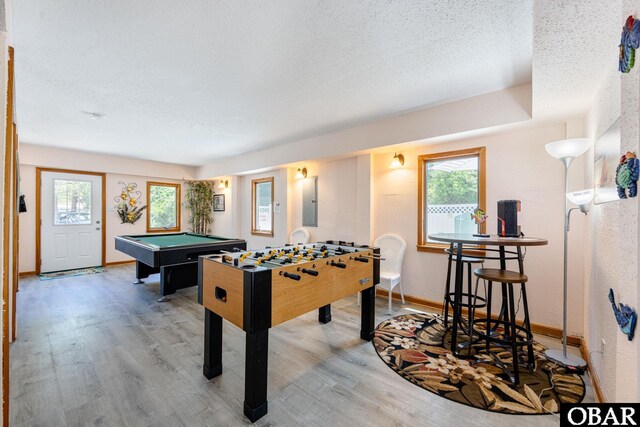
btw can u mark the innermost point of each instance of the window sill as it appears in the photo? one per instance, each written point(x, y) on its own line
point(433, 247)
point(262, 233)
point(163, 230)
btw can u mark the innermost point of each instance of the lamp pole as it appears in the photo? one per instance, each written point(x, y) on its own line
point(567, 163)
point(555, 355)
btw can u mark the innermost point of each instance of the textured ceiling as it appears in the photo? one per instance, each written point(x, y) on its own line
point(192, 81)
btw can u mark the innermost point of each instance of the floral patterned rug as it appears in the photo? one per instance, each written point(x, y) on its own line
point(417, 346)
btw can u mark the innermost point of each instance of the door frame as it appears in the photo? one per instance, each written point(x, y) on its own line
point(39, 171)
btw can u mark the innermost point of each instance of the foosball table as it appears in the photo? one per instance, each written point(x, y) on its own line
point(256, 290)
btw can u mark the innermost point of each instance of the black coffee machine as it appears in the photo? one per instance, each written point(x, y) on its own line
point(508, 211)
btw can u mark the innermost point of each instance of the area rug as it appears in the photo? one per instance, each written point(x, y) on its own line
point(71, 273)
point(417, 347)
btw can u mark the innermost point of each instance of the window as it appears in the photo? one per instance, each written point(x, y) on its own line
point(72, 202)
point(163, 206)
point(262, 206)
point(451, 186)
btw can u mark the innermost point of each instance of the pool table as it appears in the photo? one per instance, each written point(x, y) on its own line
point(174, 256)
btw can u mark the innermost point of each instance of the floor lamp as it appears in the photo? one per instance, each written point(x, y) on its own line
point(567, 150)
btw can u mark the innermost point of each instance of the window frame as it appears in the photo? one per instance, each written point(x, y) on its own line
point(254, 183)
point(423, 245)
point(177, 186)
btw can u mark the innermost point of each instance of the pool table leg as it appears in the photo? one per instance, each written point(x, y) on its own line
point(212, 366)
point(255, 382)
point(324, 314)
point(143, 271)
point(177, 276)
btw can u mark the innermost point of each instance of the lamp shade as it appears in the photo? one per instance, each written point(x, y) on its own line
point(568, 148)
point(581, 198)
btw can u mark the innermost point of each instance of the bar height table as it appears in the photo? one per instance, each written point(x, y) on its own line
point(457, 242)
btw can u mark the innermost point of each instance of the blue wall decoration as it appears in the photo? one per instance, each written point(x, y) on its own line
point(629, 42)
point(625, 316)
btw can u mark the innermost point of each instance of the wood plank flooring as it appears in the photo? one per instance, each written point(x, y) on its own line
point(98, 350)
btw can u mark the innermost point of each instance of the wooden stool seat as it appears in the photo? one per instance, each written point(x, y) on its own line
point(466, 258)
point(502, 276)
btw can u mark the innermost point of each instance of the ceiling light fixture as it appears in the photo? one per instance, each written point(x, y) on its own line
point(301, 173)
point(94, 116)
point(397, 162)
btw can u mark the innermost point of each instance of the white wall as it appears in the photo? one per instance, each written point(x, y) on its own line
point(225, 223)
point(613, 238)
point(344, 199)
point(34, 156)
point(517, 168)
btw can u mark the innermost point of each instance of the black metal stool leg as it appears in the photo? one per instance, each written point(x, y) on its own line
point(470, 281)
point(472, 313)
point(489, 315)
point(514, 334)
point(530, 357)
point(446, 293)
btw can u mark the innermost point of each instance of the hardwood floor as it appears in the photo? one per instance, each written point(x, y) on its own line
point(98, 350)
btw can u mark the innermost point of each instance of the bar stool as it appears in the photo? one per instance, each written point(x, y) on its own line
point(507, 317)
point(449, 297)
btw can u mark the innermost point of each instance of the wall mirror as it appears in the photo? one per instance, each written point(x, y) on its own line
point(310, 202)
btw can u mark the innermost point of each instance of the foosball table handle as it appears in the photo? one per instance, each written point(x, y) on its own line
point(309, 272)
point(338, 264)
point(290, 275)
point(361, 259)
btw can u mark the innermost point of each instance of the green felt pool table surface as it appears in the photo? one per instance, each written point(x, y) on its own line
point(173, 240)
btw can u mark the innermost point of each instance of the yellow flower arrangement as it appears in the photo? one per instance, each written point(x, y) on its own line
point(127, 204)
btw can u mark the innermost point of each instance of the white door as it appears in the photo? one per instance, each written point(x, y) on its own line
point(71, 221)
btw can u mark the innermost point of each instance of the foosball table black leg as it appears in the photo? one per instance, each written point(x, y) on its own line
point(212, 366)
point(367, 313)
point(324, 314)
point(255, 382)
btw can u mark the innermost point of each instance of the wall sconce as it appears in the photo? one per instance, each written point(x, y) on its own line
point(301, 173)
point(398, 161)
point(223, 184)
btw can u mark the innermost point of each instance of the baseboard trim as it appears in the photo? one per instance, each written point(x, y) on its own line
point(111, 264)
point(593, 376)
point(535, 327)
point(26, 273)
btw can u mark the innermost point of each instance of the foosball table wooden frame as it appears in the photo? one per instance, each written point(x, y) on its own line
point(258, 290)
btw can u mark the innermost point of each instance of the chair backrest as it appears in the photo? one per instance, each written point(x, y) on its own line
point(299, 235)
point(392, 249)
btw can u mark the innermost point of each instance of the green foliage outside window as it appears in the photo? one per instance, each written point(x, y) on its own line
point(163, 207)
point(452, 188)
